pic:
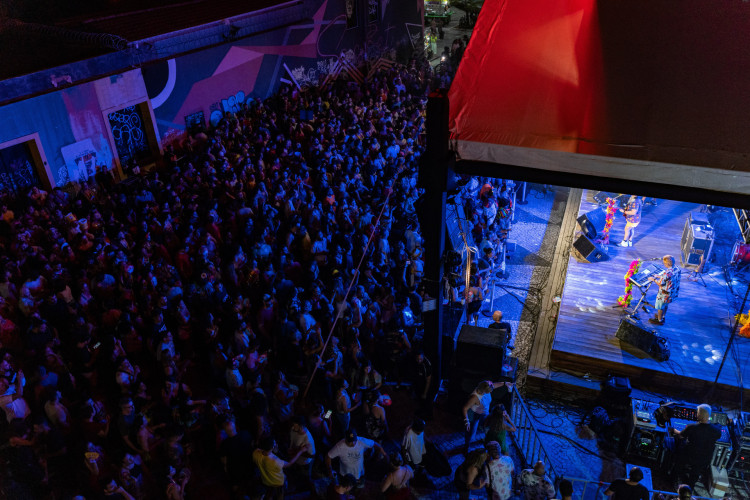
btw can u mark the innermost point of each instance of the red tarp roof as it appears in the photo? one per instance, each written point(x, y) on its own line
point(647, 90)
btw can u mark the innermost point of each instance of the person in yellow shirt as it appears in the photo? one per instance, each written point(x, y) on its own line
point(8, 214)
point(272, 467)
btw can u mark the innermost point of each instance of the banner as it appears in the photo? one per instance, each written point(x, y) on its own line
point(80, 158)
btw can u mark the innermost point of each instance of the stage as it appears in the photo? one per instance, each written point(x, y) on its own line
point(698, 323)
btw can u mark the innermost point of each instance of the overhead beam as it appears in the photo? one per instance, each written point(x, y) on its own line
point(601, 183)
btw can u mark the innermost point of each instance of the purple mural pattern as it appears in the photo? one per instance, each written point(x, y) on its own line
point(221, 79)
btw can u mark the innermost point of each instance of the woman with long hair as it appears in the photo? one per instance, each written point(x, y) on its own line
point(498, 425)
point(477, 408)
point(470, 475)
point(395, 486)
point(375, 421)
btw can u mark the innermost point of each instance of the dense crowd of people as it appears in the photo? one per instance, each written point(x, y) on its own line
point(187, 311)
point(235, 313)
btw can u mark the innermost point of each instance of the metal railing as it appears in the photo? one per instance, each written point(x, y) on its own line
point(530, 447)
point(526, 437)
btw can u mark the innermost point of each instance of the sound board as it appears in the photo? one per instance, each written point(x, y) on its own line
point(691, 414)
point(647, 436)
point(643, 414)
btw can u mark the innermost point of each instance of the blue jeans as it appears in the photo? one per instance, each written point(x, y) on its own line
point(475, 419)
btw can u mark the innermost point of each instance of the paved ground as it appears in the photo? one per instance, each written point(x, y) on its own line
point(451, 32)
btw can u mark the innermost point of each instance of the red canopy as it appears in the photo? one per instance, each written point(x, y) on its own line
point(647, 90)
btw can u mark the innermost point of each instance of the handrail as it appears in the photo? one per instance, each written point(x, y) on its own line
point(530, 445)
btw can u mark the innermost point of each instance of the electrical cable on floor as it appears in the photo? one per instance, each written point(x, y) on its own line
point(556, 411)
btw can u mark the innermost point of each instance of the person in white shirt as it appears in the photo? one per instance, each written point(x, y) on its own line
point(351, 453)
point(536, 484)
point(11, 398)
point(56, 412)
point(412, 445)
point(499, 473)
point(300, 438)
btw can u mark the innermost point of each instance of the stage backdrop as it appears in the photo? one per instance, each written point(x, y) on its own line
point(198, 88)
point(646, 90)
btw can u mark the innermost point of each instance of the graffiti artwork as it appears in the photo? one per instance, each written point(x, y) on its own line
point(17, 171)
point(80, 160)
point(231, 104)
point(343, 38)
point(129, 133)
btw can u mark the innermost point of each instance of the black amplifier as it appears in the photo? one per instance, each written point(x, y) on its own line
point(646, 444)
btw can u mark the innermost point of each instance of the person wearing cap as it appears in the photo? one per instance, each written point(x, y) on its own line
point(630, 488)
point(351, 454)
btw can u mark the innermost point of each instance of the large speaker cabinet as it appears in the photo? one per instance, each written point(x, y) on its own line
point(646, 340)
point(589, 250)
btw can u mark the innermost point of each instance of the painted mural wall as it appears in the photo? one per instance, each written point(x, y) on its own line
point(71, 125)
point(341, 37)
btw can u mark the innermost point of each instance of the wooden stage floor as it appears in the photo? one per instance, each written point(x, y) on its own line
point(698, 323)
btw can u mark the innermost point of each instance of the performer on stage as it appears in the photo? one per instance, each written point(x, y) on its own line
point(632, 215)
point(669, 285)
point(694, 457)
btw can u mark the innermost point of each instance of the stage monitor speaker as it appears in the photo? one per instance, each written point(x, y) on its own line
point(479, 355)
point(481, 350)
point(646, 340)
point(589, 250)
point(592, 223)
